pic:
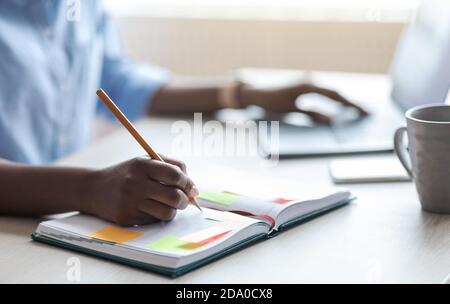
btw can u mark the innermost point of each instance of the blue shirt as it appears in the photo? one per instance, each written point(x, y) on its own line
point(51, 65)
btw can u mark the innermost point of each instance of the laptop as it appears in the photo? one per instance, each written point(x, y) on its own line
point(419, 74)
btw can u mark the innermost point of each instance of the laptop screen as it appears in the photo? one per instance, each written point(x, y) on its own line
point(420, 71)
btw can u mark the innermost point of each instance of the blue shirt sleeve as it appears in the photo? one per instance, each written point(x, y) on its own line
point(130, 84)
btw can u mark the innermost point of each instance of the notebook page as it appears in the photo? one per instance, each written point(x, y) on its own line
point(240, 203)
point(257, 185)
point(258, 195)
point(190, 232)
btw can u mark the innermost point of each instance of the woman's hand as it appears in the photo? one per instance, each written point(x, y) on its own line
point(141, 191)
point(284, 100)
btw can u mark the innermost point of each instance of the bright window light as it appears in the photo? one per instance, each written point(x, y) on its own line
point(346, 10)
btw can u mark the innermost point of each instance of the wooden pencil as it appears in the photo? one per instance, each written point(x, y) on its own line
point(134, 132)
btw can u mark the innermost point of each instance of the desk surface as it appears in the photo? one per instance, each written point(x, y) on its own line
point(383, 236)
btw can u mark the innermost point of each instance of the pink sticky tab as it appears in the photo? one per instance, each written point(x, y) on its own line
point(281, 200)
point(210, 234)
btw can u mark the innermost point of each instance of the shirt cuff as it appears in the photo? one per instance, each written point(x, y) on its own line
point(139, 88)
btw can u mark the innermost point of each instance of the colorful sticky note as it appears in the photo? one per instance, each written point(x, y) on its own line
point(210, 234)
point(223, 198)
point(282, 200)
point(115, 234)
point(194, 240)
point(171, 243)
point(213, 238)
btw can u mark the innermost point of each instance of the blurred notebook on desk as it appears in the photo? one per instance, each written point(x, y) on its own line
point(229, 221)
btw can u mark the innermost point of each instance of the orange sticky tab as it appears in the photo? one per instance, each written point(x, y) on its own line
point(210, 234)
point(115, 234)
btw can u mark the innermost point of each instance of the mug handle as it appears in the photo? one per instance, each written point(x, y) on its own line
point(401, 150)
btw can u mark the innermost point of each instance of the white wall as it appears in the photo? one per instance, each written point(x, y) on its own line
point(216, 46)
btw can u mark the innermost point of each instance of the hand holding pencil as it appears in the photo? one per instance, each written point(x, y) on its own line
point(141, 190)
point(190, 188)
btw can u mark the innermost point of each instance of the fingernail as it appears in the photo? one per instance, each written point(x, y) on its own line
point(193, 192)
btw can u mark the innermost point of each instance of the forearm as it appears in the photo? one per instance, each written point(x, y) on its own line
point(33, 191)
point(203, 95)
point(189, 96)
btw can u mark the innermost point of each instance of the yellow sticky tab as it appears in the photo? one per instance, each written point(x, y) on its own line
point(115, 234)
point(222, 198)
point(171, 243)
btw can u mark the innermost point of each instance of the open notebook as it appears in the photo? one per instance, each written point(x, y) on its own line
point(193, 238)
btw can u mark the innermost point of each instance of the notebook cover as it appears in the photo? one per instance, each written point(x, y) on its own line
point(309, 216)
point(175, 272)
point(172, 272)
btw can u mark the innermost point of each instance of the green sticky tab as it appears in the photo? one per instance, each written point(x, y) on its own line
point(223, 198)
point(171, 243)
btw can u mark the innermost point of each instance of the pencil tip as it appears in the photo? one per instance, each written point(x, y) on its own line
point(196, 204)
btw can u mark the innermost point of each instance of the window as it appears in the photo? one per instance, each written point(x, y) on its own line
point(345, 10)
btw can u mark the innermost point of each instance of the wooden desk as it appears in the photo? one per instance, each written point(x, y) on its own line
point(383, 236)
